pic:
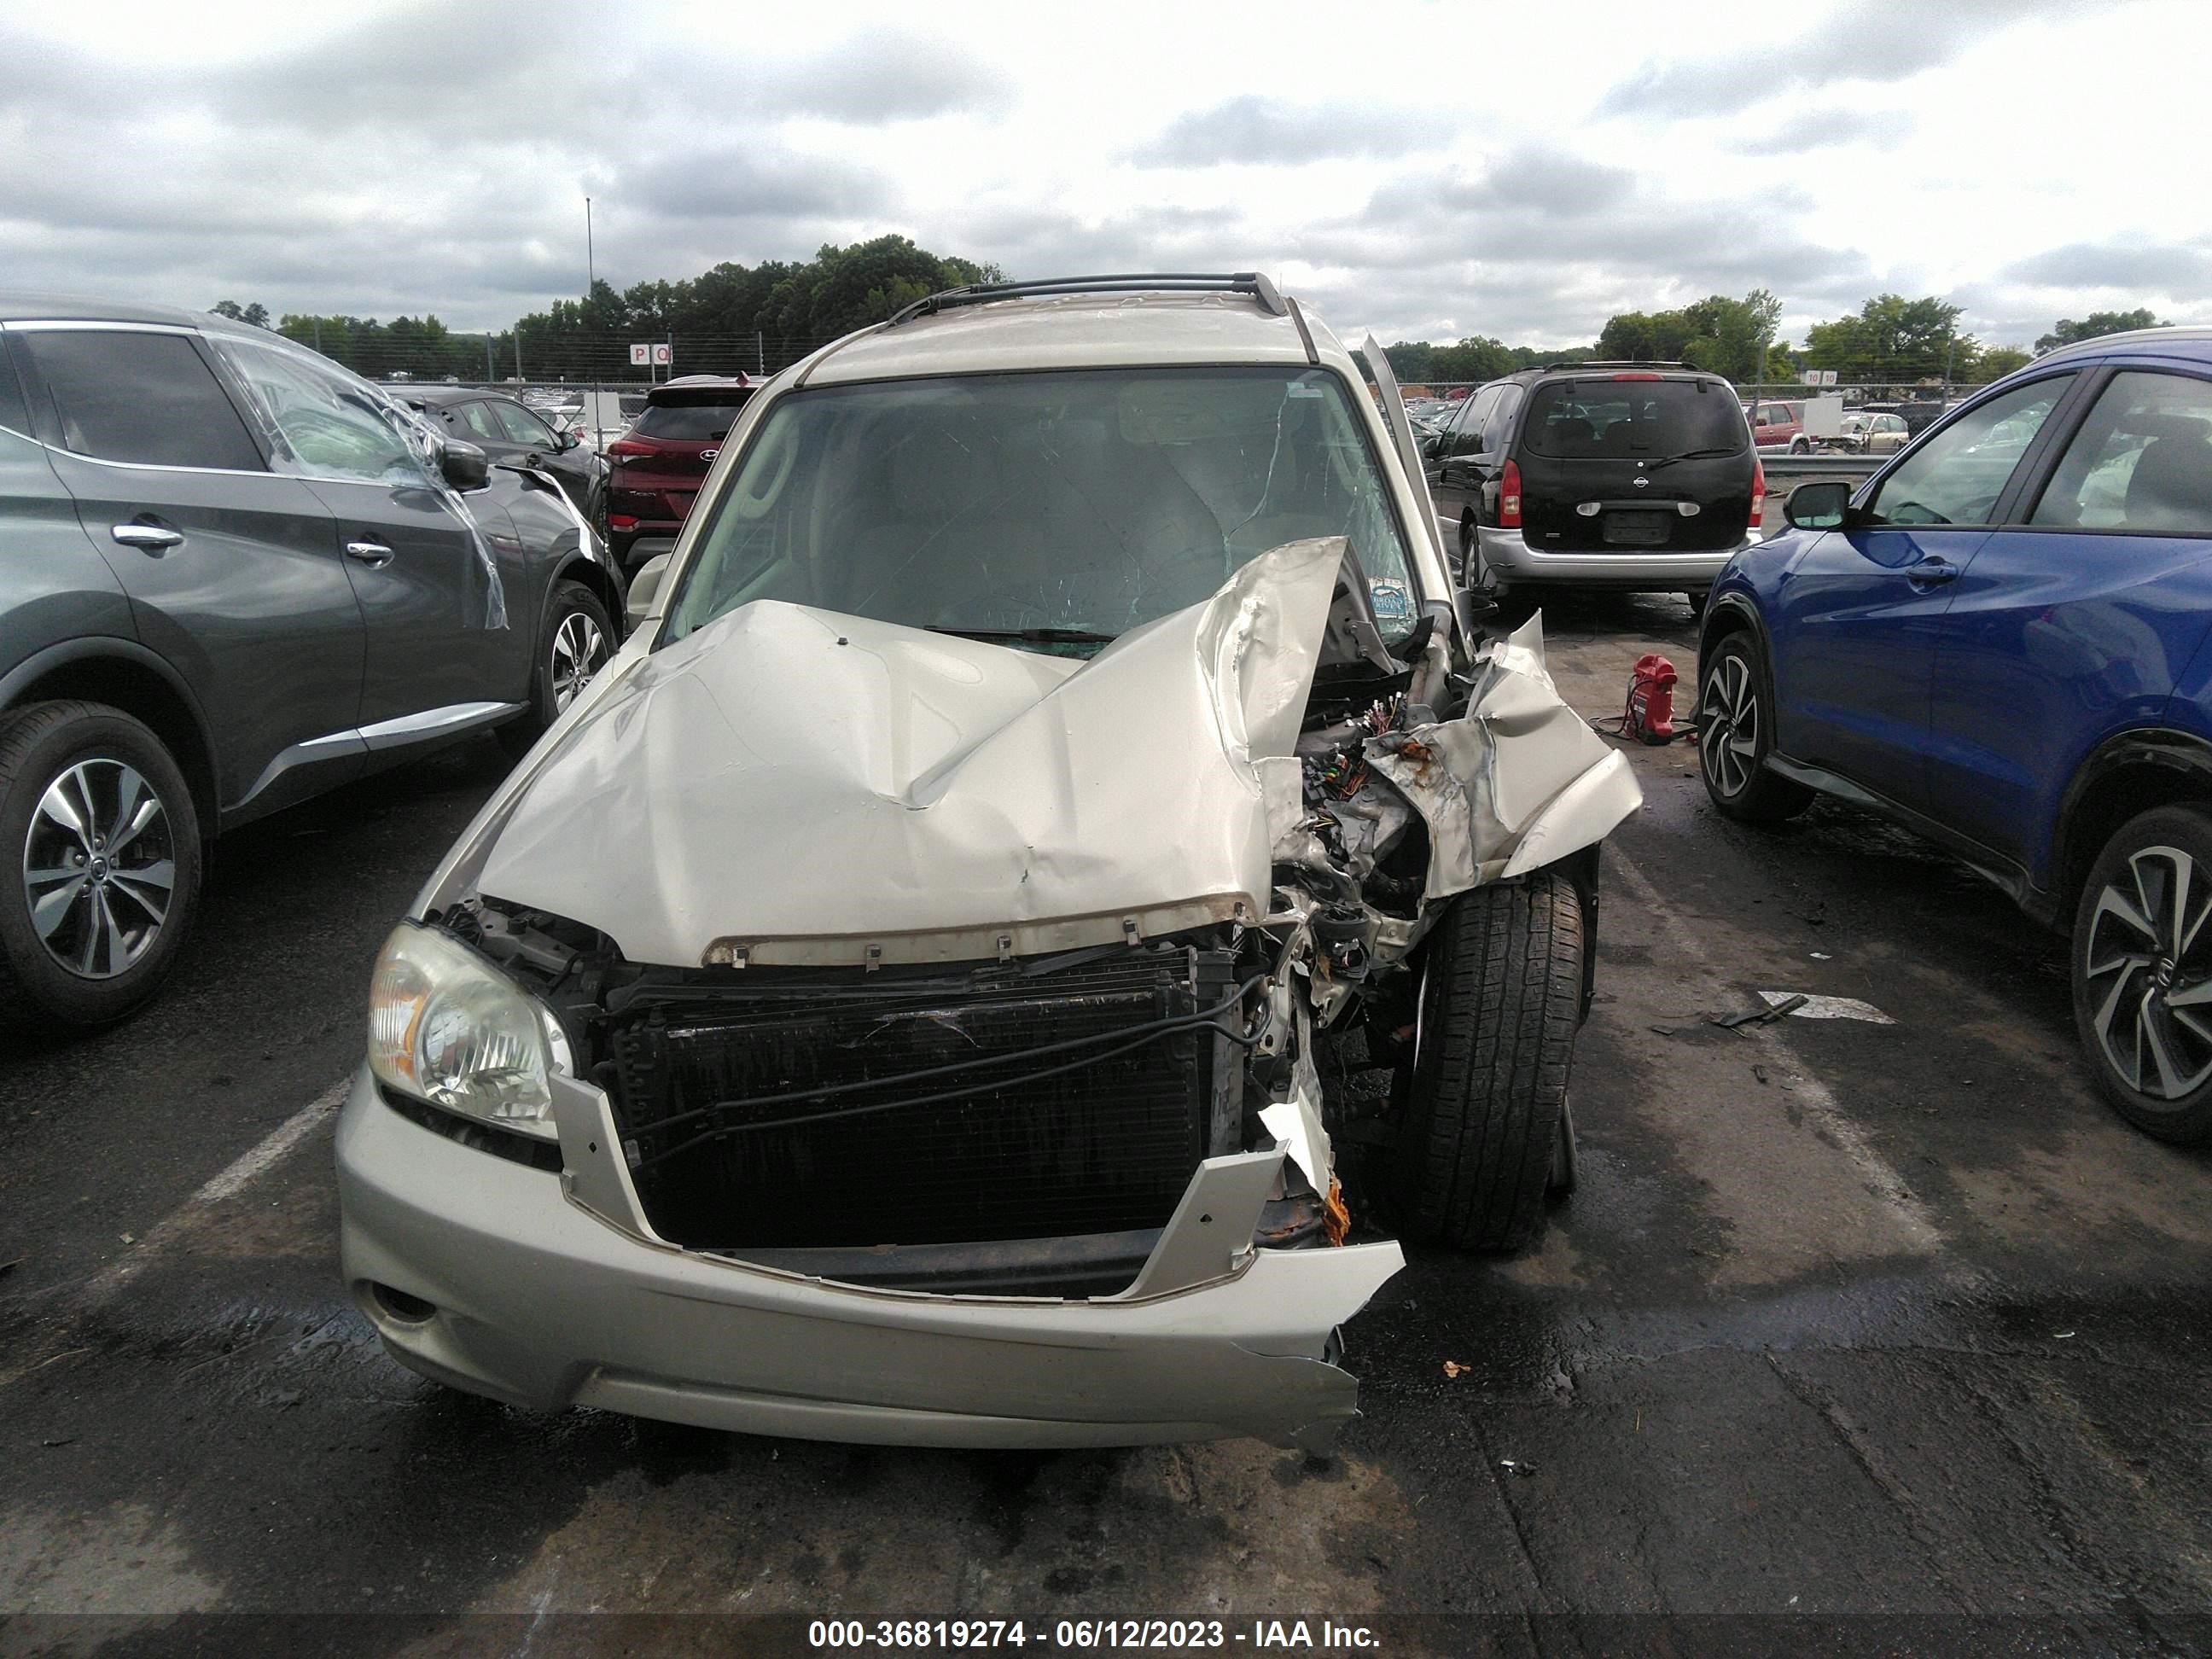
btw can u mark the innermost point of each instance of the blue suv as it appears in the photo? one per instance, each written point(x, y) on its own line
point(2002, 641)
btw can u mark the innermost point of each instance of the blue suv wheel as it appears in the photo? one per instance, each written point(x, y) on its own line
point(2142, 972)
point(1735, 733)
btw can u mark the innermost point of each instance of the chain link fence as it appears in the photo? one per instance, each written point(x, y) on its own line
point(586, 383)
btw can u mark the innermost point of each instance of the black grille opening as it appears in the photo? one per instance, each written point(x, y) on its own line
point(1106, 1146)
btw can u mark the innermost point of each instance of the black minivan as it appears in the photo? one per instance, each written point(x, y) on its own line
point(1626, 475)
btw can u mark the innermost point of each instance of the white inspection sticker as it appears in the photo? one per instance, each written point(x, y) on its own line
point(1829, 1008)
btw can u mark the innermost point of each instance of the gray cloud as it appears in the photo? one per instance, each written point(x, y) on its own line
point(1548, 184)
point(364, 174)
point(1543, 245)
point(1856, 43)
point(405, 66)
point(1822, 128)
point(2175, 268)
point(746, 178)
point(464, 63)
point(39, 72)
point(882, 76)
point(1033, 242)
point(432, 159)
point(1273, 132)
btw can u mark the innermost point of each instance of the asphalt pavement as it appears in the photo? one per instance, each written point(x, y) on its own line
point(1882, 1321)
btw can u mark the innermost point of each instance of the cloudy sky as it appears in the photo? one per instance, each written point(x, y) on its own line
point(1427, 172)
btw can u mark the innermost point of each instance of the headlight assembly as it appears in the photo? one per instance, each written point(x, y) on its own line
point(447, 1027)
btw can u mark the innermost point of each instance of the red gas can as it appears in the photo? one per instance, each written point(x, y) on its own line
point(1649, 716)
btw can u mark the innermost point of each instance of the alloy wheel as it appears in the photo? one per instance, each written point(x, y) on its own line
point(99, 868)
point(2150, 982)
point(579, 650)
point(1727, 721)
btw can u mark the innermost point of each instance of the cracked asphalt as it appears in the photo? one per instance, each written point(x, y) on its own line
point(1889, 1326)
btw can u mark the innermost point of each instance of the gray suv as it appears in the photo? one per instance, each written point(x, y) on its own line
point(231, 576)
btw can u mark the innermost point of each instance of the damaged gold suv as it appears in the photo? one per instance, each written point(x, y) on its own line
point(885, 1006)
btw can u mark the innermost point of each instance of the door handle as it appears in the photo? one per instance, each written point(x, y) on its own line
point(1932, 572)
point(374, 555)
point(148, 538)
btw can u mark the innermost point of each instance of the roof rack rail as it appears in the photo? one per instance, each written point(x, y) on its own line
point(1627, 362)
point(1173, 282)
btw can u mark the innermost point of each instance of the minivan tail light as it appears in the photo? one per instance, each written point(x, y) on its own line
point(1636, 374)
point(1757, 491)
point(1508, 497)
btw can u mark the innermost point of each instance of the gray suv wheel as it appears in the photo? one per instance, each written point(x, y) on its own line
point(103, 842)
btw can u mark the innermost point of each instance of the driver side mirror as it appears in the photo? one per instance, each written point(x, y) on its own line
point(466, 467)
point(644, 589)
point(1818, 506)
point(565, 440)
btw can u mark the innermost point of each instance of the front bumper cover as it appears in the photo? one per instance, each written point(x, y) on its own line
point(540, 1301)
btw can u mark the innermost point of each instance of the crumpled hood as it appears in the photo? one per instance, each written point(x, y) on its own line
point(800, 786)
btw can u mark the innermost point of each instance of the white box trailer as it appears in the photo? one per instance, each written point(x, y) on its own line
point(1824, 416)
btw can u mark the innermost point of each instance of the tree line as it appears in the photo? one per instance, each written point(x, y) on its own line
point(734, 316)
point(744, 317)
point(758, 317)
point(1889, 340)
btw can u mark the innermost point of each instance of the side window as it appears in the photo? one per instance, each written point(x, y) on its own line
point(1499, 431)
point(1956, 477)
point(522, 427)
point(321, 424)
point(2142, 460)
point(14, 413)
point(145, 398)
point(1473, 411)
point(480, 422)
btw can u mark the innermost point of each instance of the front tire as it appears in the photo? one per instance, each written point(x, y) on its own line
point(2142, 973)
point(1478, 1148)
point(1735, 734)
point(102, 848)
point(574, 645)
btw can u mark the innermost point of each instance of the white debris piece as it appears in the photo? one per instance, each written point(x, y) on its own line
point(1829, 1008)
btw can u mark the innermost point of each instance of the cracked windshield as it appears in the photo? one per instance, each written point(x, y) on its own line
point(1055, 510)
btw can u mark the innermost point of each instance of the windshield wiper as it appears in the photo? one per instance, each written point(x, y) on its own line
point(1031, 635)
point(1690, 455)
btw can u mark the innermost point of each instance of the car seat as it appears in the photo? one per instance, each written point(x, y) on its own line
point(894, 538)
point(2171, 487)
point(1572, 436)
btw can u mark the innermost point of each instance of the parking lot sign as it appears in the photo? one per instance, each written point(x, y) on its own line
point(640, 353)
point(664, 354)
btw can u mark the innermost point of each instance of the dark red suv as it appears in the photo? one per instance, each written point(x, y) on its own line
point(658, 464)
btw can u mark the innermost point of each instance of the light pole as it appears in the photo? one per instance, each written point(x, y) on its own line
point(590, 269)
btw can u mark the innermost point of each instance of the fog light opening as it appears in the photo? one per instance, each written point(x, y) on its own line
point(407, 1310)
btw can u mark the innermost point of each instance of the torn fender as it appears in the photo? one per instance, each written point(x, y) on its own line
point(1517, 781)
